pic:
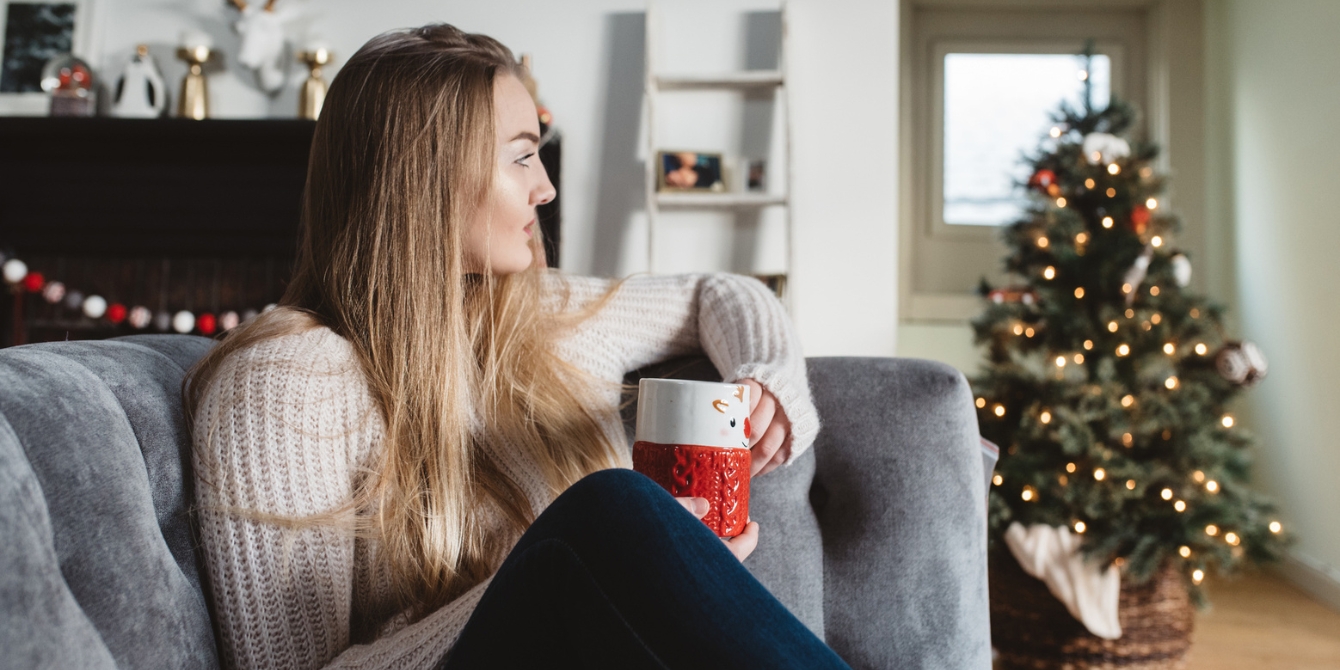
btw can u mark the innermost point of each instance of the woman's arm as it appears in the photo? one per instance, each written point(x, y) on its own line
point(283, 430)
point(735, 320)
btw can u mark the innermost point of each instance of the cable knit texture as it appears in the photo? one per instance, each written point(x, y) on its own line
point(287, 427)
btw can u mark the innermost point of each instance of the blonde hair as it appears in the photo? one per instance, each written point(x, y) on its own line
point(402, 157)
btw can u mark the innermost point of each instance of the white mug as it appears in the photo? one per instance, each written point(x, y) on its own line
point(705, 414)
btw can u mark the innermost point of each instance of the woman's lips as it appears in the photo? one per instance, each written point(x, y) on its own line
point(528, 228)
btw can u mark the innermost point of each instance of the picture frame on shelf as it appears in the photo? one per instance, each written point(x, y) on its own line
point(689, 171)
point(31, 33)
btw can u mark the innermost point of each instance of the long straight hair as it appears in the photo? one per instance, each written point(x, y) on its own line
point(402, 158)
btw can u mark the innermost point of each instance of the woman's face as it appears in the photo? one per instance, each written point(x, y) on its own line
point(503, 226)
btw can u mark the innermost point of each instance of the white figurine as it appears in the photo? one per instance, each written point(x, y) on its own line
point(262, 48)
point(140, 92)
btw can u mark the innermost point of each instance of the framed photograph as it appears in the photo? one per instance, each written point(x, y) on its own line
point(31, 33)
point(688, 171)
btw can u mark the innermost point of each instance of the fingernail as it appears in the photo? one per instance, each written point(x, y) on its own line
point(701, 506)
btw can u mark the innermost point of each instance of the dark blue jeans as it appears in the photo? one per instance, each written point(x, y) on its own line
point(617, 574)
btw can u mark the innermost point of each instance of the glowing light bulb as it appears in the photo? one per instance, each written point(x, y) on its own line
point(1088, 183)
point(1111, 192)
point(1195, 313)
point(1198, 476)
point(1099, 474)
point(1170, 382)
point(1049, 272)
point(1111, 326)
point(1055, 131)
point(1127, 439)
point(1045, 417)
point(1028, 332)
point(997, 480)
point(1212, 530)
point(1079, 292)
point(1079, 358)
point(1043, 242)
point(1028, 494)
point(1080, 527)
point(1156, 240)
point(1201, 349)
point(1060, 361)
point(1185, 551)
point(1227, 420)
point(1113, 168)
point(1232, 538)
point(1130, 313)
point(1197, 576)
point(1127, 400)
point(1130, 484)
point(1156, 318)
point(1180, 505)
point(1126, 288)
point(1275, 527)
point(1166, 494)
point(1070, 467)
point(1153, 290)
point(1152, 203)
point(999, 410)
point(1123, 349)
point(1060, 202)
point(981, 402)
point(1107, 220)
point(1212, 486)
point(1169, 348)
point(1083, 75)
point(1088, 344)
point(1018, 329)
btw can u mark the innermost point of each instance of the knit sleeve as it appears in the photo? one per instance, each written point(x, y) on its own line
point(735, 320)
point(284, 430)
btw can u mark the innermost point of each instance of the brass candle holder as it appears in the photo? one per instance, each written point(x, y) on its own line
point(194, 100)
point(313, 94)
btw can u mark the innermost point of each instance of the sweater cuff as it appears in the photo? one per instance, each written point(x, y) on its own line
point(791, 388)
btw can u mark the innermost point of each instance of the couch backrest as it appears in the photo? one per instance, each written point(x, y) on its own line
point(100, 568)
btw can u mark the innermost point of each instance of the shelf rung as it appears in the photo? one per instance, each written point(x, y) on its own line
point(718, 200)
point(746, 79)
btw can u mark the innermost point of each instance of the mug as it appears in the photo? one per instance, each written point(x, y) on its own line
point(692, 438)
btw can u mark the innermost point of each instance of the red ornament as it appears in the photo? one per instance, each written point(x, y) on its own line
point(116, 313)
point(1042, 180)
point(206, 323)
point(33, 282)
point(1140, 219)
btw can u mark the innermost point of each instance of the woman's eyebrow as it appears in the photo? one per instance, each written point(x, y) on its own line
point(526, 135)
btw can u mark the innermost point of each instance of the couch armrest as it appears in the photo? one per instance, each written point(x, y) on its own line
point(899, 497)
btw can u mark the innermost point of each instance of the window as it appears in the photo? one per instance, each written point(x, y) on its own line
point(979, 79)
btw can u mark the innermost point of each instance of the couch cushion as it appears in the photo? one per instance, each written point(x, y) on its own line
point(101, 427)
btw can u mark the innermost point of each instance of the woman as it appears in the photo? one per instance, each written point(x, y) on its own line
point(418, 452)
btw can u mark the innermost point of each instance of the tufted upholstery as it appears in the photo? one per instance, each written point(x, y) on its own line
point(876, 538)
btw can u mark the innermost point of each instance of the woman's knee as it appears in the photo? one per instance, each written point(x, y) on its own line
point(619, 491)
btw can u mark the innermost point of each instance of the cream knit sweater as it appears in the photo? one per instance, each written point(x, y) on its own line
point(293, 426)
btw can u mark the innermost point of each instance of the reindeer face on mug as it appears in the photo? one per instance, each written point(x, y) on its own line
point(262, 49)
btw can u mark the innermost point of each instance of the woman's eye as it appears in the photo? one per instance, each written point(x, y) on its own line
point(732, 423)
point(522, 161)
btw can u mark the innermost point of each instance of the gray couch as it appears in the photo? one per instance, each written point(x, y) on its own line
point(876, 539)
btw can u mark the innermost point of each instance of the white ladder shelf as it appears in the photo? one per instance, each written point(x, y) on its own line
point(657, 83)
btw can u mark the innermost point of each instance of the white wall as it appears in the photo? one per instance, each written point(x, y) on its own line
point(1274, 67)
point(588, 61)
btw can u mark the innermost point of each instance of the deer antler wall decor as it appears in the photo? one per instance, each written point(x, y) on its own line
point(262, 49)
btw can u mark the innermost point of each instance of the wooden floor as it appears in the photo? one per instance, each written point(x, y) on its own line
point(1261, 622)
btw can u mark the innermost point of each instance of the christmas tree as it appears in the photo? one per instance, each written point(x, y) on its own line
point(1107, 384)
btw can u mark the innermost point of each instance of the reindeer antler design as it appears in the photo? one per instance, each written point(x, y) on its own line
point(241, 5)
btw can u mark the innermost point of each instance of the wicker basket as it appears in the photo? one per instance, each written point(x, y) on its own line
point(1031, 629)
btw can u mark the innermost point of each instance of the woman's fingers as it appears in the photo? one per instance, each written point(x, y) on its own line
point(755, 393)
point(767, 447)
point(761, 418)
point(777, 460)
point(698, 507)
point(743, 544)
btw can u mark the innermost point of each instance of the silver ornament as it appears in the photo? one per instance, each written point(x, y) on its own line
point(1181, 267)
point(183, 322)
point(163, 321)
point(14, 270)
point(249, 315)
point(74, 300)
point(228, 320)
point(94, 306)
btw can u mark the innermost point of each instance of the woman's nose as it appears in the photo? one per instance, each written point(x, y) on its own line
point(544, 192)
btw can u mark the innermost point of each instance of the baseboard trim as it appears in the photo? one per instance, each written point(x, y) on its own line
point(1315, 578)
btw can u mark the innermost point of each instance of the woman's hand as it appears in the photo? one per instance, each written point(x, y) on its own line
point(770, 438)
point(741, 545)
